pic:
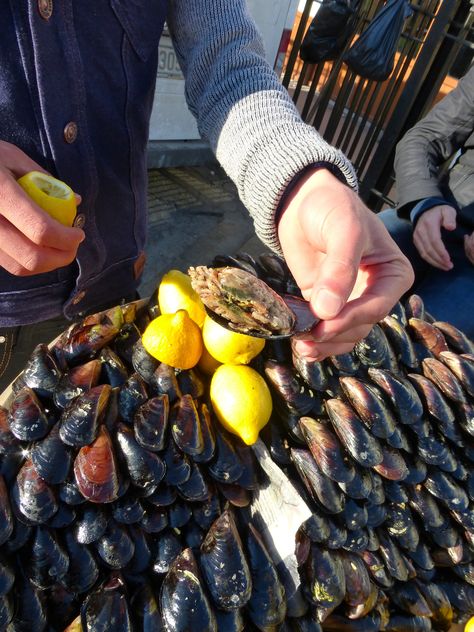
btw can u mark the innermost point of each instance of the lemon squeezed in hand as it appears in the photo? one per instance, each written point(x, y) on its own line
point(52, 195)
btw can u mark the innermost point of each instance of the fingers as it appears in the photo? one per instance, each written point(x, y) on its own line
point(22, 257)
point(427, 236)
point(16, 161)
point(469, 247)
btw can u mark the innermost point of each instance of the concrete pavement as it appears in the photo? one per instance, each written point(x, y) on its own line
point(194, 214)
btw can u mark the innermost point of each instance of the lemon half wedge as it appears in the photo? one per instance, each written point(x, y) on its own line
point(52, 195)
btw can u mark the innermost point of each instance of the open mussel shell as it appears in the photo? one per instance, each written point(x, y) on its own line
point(239, 301)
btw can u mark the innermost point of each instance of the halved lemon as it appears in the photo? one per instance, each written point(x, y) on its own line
point(52, 195)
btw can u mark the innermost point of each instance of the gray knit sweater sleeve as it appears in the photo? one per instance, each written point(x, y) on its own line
point(242, 109)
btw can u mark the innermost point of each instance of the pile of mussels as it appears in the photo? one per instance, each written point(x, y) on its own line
point(123, 502)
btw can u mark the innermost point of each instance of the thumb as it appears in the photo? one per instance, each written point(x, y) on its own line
point(335, 281)
point(448, 218)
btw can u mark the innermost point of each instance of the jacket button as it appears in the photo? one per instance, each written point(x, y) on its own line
point(78, 298)
point(70, 132)
point(80, 220)
point(45, 8)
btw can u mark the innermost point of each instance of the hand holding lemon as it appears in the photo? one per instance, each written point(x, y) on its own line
point(30, 241)
point(52, 195)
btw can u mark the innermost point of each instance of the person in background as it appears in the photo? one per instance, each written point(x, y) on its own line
point(434, 220)
point(76, 90)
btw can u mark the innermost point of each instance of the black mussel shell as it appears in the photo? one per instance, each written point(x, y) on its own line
point(179, 514)
point(113, 369)
point(142, 554)
point(32, 497)
point(76, 381)
point(51, 457)
point(27, 418)
point(90, 524)
point(320, 487)
point(224, 565)
point(146, 611)
point(7, 575)
point(154, 519)
point(165, 382)
point(127, 510)
point(400, 341)
point(400, 391)
point(6, 518)
point(326, 585)
point(226, 466)
point(186, 426)
point(30, 612)
point(115, 547)
point(47, 561)
point(196, 487)
point(107, 608)
point(79, 422)
point(144, 468)
point(83, 570)
point(168, 547)
point(132, 395)
point(184, 603)
point(95, 470)
point(368, 402)
point(208, 435)
point(267, 604)
point(143, 363)
point(178, 468)
point(41, 373)
point(151, 422)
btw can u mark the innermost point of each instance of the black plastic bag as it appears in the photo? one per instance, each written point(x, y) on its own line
point(372, 55)
point(329, 30)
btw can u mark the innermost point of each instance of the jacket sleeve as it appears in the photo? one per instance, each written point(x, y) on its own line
point(434, 139)
point(242, 109)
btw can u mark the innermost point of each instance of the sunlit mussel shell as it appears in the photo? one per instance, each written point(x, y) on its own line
point(338, 536)
point(191, 383)
point(27, 416)
point(196, 488)
point(321, 488)
point(41, 373)
point(357, 540)
point(393, 465)
point(375, 351)
point(444, 379)
point(401, 393)
point(232, 620)
point(69, 493)
point(317, 529)
point(359, 596)
point(313, 373)
point(421, 557)
point(107, 607)
point(376, 567)
point(246, 302)
point(183, 600)
point(143, 363)
point(165, 382)
point(95, 470)
point(446, 490)
point(83, 340)
point(79, 422)
point(456, 339)
point(125, 341)
point(267, 604)
point(325, 581)
point(401, 526)
point(291, 392)
point(131, 396)
point(76, 381)
point(51, 457)
point(115, 547)
point(400, 440)
point(45, 561)
point(186, 426)
point(224, 566)
point(376, 493)
point(144, 468)
point(29, 608)
point(426, 506)
point(127, 509)
point(178, 467)
point(462, 368)
point(90, 524)
point(460, 594)
point(33, 499)
point(113, 369)
point(226, 466)
point(400, 341)
point(430, 336)
point(392, 556)
point(345, 363)
point(150, 423)
point(437, 406)
point(361, 445)
point(146, 612)
point(168, 547)
point(207, 433)
point(447, 536)
point(9, 444)
point(415, 307)
point(368, 402)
